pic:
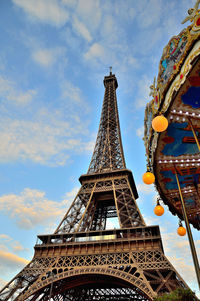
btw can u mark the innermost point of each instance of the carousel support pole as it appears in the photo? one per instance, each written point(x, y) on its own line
point(190, 238)
point(194, 133)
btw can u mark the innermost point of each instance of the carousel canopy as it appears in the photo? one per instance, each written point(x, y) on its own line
point(176, 95)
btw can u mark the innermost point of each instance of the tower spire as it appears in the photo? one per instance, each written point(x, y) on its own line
point(108, 153)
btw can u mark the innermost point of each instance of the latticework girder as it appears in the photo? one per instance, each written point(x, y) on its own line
point(108, 152)
point(87, 213)
point(102, 294)
point(83, 260)
point(129, 258)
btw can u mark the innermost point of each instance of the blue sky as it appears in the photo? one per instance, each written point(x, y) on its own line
point(54, 55)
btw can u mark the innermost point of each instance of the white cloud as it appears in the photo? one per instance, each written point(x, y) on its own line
point(43, 57)
point(50, 11)
point(10, 92)
point(90, 12)
point(48, 137)
point(178, 252)
point(132, 61)
point(47, 57)
point(98, 55)
point(32, 208)
point(151, 220)
point(73, 100)
point(89, 146)
point(143, 89)
point(69, 3)
point(8, 243)
point(70, 196)
point(71, 92)
point(144, 188)
point(149, 13)
point(5, 237)
point(10, 262)
point(40, 142)
point(149, 41)
point(18, 247)
point(124, 10)
point(109, 27)
point(140, 132)
point(82, 30)
point(95, 52)
point(101, 21)
point(183, 268)
point(28, 209)
point(112, 33)
point(36, 141)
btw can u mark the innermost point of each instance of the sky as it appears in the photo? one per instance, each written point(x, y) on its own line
point(54, 55)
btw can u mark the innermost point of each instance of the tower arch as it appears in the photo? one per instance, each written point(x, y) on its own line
point(98, 280)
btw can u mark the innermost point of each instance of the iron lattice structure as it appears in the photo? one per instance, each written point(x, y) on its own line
point(83, 260)
point(108, 152)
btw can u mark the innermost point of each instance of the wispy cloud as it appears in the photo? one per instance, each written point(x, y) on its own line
point(5, 237)
point(10, 262)
point(81, 29)
point(70, 195)
point(149, 13)
point(37, 141)
point(182, 260)
point(44, 142)
point(9, 92)
point(11, 259)
point(143, 90)
point(31, 208)
point(69, 3)
point(151, 220)
point(50, 11)
point(90, 12)
point(47, 57)
point(8, 243)
point(144, 188)
point(72, 94)
point(183, 267)
point(140, 132)
point(47, 137)
point(95, 52)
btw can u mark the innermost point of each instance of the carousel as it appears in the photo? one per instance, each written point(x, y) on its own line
point(172, 129)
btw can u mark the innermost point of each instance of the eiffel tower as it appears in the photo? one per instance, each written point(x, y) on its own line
point(83, 260)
